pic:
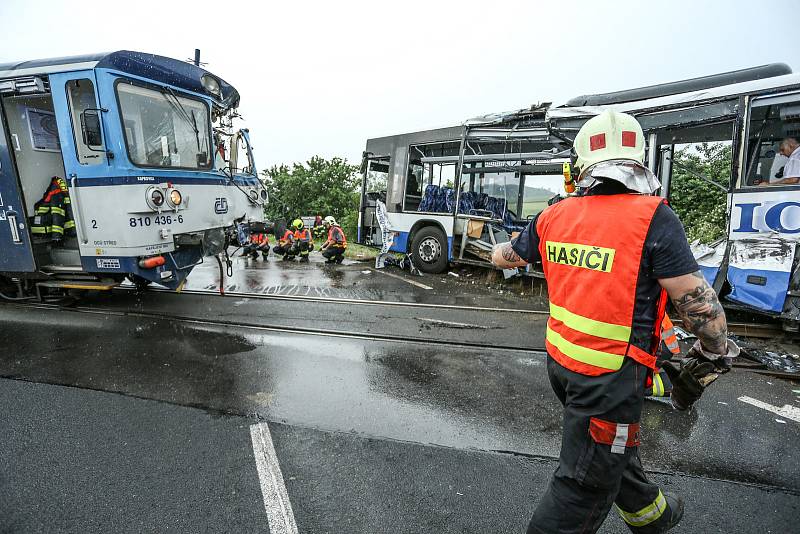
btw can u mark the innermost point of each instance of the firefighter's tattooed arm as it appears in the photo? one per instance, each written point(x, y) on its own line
point(699, 309)
point(504, 257)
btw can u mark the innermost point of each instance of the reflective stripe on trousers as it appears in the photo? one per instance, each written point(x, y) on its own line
point(646, 515)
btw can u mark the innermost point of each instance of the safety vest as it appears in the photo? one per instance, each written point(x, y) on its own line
point(591, 249)
point(287, 238)
point(302, 235)
point(668, 335)
point(258, 239)
point(336, 237)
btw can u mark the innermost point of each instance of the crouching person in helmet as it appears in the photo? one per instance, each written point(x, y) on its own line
point(303, 243)
point(285, 244)
point(334, 247)
point(611, 258)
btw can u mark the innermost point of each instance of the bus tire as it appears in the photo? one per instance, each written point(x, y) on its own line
point(429, 250)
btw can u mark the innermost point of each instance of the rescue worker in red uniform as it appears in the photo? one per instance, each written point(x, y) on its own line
point(334, 247)
point(303, 243)
point(284, 246)
point(610, 257)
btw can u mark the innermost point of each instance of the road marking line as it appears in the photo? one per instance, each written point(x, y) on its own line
point(788, 411)
point(412, 282)
point(276, 499)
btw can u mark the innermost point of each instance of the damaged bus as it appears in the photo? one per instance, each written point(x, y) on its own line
point(452, 193)
point(754, 265)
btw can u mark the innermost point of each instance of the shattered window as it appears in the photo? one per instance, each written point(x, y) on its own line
point(773, 142)
point(163, 129)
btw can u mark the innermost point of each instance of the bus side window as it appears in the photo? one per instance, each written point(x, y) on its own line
point(85, 121)
point(773, 142)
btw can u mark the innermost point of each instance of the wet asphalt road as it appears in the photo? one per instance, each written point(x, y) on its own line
point(136, 421)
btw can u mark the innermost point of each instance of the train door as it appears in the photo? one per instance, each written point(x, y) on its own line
point(15, 239)
point(765, 215)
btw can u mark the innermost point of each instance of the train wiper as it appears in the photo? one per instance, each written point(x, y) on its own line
point(177, 106)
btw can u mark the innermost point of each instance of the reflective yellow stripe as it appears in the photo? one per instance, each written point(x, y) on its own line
point(597, 358)
point(69, 224)
point(58, 211)
point(646, 515)
point(590, 326)
point(43, 210)
point(658, 385)
point(38, 230)
point(57, 229)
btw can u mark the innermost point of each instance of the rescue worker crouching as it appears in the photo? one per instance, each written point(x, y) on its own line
point(334, 247)
point(303, 243)
point(259, 242)
point(610, 257)
point(284, 246)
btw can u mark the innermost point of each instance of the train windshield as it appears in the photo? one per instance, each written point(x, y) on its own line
point(773, 142)
point(164, 129)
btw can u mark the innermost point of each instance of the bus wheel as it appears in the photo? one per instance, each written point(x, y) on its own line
point(429, 250)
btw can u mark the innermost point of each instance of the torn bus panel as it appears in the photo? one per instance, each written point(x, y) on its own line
point(759, 271)
point(709, 258)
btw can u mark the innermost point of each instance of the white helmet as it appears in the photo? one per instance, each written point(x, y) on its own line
point(329, 220)
point(611, 145)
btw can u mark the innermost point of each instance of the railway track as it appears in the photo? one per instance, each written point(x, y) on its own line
point(279, 328)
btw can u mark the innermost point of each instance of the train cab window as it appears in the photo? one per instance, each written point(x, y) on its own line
point(773, 142)
point(163, 129)
point(85, 121)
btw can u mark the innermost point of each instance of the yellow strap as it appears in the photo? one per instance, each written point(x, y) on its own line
point(597, 358)
point(590, 326)
point(646, 515)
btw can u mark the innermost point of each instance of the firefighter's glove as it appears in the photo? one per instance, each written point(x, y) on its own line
point(689, 381)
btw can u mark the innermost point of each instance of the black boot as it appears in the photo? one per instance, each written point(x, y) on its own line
point(670, 518)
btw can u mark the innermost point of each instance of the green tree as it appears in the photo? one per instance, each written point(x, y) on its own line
point(327, 187)
point(700, 205)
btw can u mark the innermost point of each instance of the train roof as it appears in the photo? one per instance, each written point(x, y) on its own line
point(151, 66)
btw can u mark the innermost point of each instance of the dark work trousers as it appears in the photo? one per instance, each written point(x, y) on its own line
point(285, 251)
point(333, 253)
point(590, 477)
point(301, 248)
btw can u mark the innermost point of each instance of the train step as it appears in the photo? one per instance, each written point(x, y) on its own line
point(93, 285)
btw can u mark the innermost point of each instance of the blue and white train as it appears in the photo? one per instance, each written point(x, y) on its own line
point(145, 144)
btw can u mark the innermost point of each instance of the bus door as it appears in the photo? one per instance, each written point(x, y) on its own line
point(16, 253)
point(765, 212)
point(374, 188)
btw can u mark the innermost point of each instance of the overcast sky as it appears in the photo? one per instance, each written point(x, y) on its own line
point(322, 77)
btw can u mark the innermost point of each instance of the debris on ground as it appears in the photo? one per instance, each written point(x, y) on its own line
point(366, 272)
point(785, 363)
point(451, 273)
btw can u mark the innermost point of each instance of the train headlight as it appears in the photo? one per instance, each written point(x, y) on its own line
point(264, 195)
point(155, 197)
point(175, 197)
point(253, 195)
point(210, 84)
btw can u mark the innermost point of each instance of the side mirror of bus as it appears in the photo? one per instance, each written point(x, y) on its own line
point(90, 128)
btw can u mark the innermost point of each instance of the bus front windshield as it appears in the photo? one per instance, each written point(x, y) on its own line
point(164, 129)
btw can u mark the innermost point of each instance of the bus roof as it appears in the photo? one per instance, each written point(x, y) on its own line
point(153, 67)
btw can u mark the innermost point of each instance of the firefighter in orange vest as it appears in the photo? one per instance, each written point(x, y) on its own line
point(259, 242)
point(284, 246)
point(611, 256)
point(333, 249)
point(303, 243)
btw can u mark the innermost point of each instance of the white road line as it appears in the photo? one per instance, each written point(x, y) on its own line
point(412, 282)
point(788, 411)
point(276, 499)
